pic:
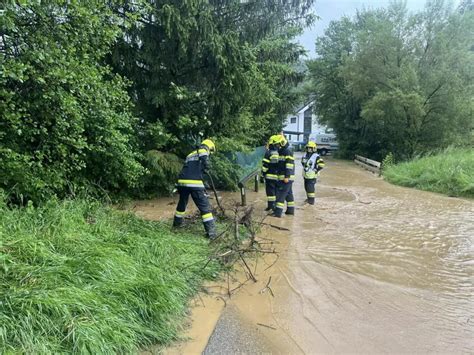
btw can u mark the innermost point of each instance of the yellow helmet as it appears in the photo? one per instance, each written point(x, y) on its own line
point(311, 145)
point(209, 144)
point(275, 139)
point(283, 140)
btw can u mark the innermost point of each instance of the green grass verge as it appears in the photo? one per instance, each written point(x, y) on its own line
point(450, 172)
point(79, 277)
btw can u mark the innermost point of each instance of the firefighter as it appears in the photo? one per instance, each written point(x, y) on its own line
point(270, 171)
point(286, 176)
point(190, 182)
point(312, 164)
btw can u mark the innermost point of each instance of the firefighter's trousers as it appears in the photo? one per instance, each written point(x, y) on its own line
point(309, 186)
point(284, 193)
point(271, 191)
point(200, 199)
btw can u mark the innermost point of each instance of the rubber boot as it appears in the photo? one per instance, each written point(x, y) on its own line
point(270, 206)
point(290, 208)
point(178, 222)
point(210, 228)
point(278, 211)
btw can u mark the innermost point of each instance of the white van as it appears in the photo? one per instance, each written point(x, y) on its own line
point(327, 142)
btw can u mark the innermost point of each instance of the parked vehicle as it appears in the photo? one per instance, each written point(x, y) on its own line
point(327, 142)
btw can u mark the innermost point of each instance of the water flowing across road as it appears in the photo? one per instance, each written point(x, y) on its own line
point(371, 268)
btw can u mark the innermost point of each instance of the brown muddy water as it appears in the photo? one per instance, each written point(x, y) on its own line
point(371, 268)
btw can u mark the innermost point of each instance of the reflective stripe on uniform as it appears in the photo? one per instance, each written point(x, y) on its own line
point(310, 175)
point(207, 217)
point(195, 155)
point(271, 177)
point(290, 166)
point(190, 183)
point(179, 214)
point(311, 194)
point(201, 152)
point(291, 203)
point(266, 160)
point(280, 205)
point(264, 169)
point(282, 177)
point(271, 198)
point(289, 157)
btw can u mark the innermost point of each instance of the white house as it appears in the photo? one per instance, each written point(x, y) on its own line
point(302, 123)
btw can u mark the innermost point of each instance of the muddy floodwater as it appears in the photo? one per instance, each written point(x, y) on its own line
point(378, 268)
point(371, 268)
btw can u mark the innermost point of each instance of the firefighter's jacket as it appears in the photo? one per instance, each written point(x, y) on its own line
point(270, 164)
point(286, 164)
point(196, 164)
point(312, 164)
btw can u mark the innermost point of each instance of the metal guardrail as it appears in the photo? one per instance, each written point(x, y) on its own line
point(368, 164)
point(244, 181)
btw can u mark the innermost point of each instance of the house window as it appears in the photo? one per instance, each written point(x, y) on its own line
point(289, 137)
point(293, 120)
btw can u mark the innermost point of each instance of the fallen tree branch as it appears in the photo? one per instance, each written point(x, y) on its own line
point(274, 262)
point(276, 227)
point(223, 299)
point(267, 287)
point(248, 268)
point(215, 194)
point(266, 326)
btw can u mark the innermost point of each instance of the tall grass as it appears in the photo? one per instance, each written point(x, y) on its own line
point(449, 172)
point(79, 277)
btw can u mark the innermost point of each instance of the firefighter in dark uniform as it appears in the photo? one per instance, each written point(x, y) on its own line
point(286, 176)
point(270, 171)
point(190, 182)
point(312, 164)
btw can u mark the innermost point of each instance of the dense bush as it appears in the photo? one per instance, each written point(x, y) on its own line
point(66, 122)
point(161, 174)
point(225, 172)
point(175, 71)
point(449, 172)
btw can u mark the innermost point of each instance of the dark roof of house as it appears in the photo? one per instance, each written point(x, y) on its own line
point(302, 106)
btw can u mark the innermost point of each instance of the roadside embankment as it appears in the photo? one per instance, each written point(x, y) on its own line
point(79, 277)
point(449, 172)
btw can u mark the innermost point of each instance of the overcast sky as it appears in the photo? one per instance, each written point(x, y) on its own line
point(329, 10)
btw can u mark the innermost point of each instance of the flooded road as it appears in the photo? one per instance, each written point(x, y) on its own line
point(378, 268)
point(371, 268)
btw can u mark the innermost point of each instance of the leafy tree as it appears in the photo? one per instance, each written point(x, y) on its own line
point(336, 103)
point(224, 69)
point(210, 68)
point(178, 71)
point(66, 121)
point(389, 81)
